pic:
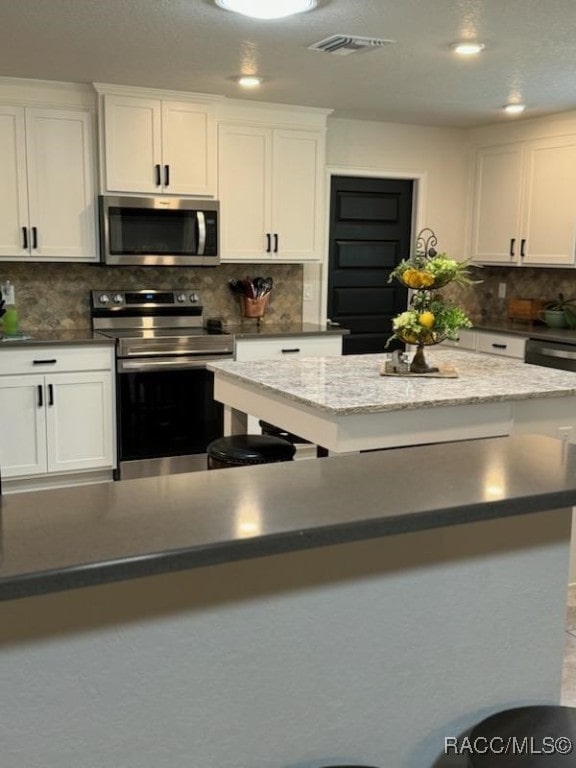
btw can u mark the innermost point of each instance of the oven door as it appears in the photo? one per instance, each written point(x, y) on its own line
point(167, 416)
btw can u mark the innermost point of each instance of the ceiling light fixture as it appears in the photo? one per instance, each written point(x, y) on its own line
point(514, 109)
point(249, 81)
point(468, 48)
point(267, 9)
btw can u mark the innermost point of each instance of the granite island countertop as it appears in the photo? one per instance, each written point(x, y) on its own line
point(82, 536)
point(352, 384)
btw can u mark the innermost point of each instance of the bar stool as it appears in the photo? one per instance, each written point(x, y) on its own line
point(542, 731)
point(248, 450)
point(271, 429)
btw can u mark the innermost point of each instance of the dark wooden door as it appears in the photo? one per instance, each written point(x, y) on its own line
point(370, 232)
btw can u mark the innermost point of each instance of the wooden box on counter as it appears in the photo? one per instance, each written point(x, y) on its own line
point(525, 309)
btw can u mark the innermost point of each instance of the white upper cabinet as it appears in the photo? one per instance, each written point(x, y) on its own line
point(524, 212)
point(158, 146)
point(270, 185)
point(47, 193)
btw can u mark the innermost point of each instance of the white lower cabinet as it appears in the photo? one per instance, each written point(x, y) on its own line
point(503, 344)
point(466, 340)
point(491, 343)
point(288, 346)
point(58, 422)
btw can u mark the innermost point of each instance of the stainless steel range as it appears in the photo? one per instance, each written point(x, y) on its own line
point(166, 412)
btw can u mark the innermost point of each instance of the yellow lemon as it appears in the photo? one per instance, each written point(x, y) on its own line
point(427, 319)
point(426, 279)
point(411, 278)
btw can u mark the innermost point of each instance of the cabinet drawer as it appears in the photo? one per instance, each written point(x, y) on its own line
point(466, 340)
point(501, 344)
point(289, 346)
point(43, 359)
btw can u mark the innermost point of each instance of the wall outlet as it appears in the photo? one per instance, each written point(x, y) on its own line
point(564, 433)
point(307, 292)
point(501, 290)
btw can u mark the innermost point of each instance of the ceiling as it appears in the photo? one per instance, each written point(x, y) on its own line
point(191, 45)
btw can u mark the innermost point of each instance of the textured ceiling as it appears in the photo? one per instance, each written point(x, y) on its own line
point(192, 45)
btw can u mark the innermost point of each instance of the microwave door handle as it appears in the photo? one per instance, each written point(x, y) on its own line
point(201, 220)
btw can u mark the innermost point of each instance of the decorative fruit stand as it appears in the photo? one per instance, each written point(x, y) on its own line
point(430, 318)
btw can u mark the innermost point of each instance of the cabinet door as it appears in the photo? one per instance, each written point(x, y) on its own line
point(23, 420)
point(296, 193)
point(61, 189)
point(495, 232)
point(549, 213)
point(244, 167)
point(133, 149)
point(188, 149)
point(79, 421)
point(13, 191)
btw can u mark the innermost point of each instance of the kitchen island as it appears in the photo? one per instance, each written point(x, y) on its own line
point(344, 404)
point(349, 610)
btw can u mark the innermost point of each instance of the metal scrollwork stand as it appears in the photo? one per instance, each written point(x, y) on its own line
point(425, 241)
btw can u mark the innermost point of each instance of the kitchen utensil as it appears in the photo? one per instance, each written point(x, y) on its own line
point(236, 286)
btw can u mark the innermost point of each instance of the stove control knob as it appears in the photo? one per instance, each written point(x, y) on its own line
point(103, 298)
point(193, 298)
point(181, 298)
point(117, 299)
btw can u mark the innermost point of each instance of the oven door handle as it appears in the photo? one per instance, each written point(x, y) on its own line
point(166, 363)
point(563, 354)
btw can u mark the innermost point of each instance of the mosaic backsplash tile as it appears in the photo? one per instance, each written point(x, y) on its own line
point(481, 301)
point(56, 296)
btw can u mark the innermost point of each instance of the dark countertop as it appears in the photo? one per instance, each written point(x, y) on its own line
point(73, 537)
point(527, 330)
point(249, 329)
point(33, 337)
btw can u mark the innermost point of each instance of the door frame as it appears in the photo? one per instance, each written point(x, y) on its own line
point(318, 273)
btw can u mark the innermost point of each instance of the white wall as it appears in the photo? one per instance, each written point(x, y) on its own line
point(437, 156)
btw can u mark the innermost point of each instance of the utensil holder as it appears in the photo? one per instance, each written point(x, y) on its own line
point(254, 307)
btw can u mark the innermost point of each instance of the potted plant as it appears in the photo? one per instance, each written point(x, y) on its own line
point(560, 313)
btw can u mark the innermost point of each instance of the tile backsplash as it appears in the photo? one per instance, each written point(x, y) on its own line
point(56, 296)
point(482, 303)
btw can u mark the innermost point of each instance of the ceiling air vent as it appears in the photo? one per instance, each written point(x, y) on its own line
point(342, 45)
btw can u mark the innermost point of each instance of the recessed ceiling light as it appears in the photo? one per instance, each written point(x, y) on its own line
point(468, 48)
point(249, 81)
point(514, 109)
point(267, 9)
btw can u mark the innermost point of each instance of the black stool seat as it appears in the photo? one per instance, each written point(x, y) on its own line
point(540, 730)
point(246, 450)
point(271, 429)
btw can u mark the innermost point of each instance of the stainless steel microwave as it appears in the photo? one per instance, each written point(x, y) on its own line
point(158, 231)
